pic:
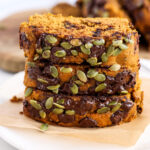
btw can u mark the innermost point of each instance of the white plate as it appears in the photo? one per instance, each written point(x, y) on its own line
point(24, 140)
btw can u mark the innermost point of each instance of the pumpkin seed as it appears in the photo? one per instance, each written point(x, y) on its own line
point(58, 111)
point(124, 92)
point(70, 112)
point(116, 43)
point(46, 54)
point(54, 71)
point(66, 70)
point(61, 101)
point(51, 39)
point(39, 50)
point(88, 45)
point(100, 87)
point(44, 127)
point(42, 80)
point(116, 108)
point(55, 91)
point(110, 50)
point(76, 42)
point(127, 40)
point(100, 77)
point(74, 52)
point(28, 92)
point(116, 52)
point(123, 46)
point(35, 104)
point(85, 50)
point(81, 75)
point(113, 103)
point(42, 114)
point(104, 57)
point(99, 42)
point(103, 110)
point(60, 53)
point(74, 89)
point(78, 82)
point(59, 106)
point(31, 64)
point(66, 45)
point(46, 48)
point(115, 67)
point(92, 61)
point(54, 87)
point(105, 14)
point(36, 57)
point(92, 73)
point(49, 103)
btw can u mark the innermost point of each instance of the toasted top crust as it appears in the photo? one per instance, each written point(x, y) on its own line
point(79, 27)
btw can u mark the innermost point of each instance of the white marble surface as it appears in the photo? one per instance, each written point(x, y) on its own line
point(8, 7)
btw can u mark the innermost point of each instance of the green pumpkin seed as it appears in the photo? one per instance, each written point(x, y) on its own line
point(35, 104)
point(51, 39)
point(60, 53)
point(100, 77)
point(100, 87)
point(99, 42)
point(116, 108)
point(55, 91)
point(54, 87)
point(66, 45)
point(85, 50)
point(28, 92)
point(44, 127)
point(116, 43)
point(42, 80)
point(46, 48)
point(92, 61)
point(36, 57)
point(70, 112)
point(127, 40)
point(46, 54)
point(39, 50)
point(59, 106)
point(103, 110)
point(61, 101)
point(92, 73)
point(78, 82)
point(105, 14)
point(113, 103)
point(49, 103)
point(54, 71)
point(116, 52)
point(81, 75)
point(58, 111)
point(42, 114)
point(66, 70)
point(76, 42)
point(123, 46)
point(74, 89)
point(124, 92)
point(115, 67)
point(74, 52)
point(104, 57)
point(31, 64)
point(88, 45)
point(110, 51)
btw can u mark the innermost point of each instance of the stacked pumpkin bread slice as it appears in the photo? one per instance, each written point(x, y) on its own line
point(81, 72)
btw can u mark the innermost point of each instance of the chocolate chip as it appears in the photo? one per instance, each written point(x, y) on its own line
point(66, 118)
point(87, 123)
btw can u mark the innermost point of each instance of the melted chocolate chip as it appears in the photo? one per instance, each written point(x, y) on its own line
point(24, 42)
point(97, 33)
point(87, 123)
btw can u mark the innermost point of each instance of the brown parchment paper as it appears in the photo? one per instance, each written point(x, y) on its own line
point(126, 134)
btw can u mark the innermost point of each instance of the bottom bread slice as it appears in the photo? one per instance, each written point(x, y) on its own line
point(82, 111)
